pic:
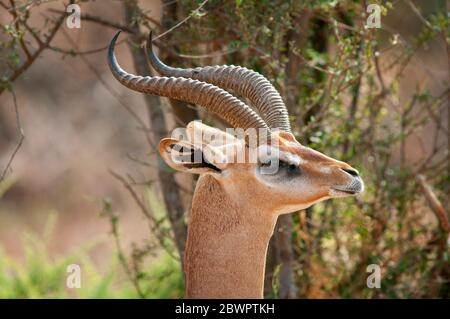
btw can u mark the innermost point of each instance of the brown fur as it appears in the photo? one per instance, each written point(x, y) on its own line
point(226, 247)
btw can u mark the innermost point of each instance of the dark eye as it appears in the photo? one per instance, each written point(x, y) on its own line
point(293, 169)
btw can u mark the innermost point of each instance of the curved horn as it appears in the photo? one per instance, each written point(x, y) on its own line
point(212, 98)
point(248, 83)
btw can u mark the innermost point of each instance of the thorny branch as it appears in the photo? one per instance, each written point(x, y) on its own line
point(17, 25)
point(434, 204)
point(43, 44)
point(196, 11)
point(21, 137)
point(160, 235)
point(134, 195)
point(113, 219)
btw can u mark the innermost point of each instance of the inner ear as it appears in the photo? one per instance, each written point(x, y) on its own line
point(184, 156)
point(193, 157)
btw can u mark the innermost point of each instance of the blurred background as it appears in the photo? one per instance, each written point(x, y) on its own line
point(83, 183)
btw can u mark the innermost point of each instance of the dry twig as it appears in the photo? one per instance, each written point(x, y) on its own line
point(21, 137)
point(434, 203)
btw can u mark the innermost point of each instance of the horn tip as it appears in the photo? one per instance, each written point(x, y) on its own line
point(118, 32)
point(114, 40)
point(112, 62)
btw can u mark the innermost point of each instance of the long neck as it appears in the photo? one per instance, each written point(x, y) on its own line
point(227, 245)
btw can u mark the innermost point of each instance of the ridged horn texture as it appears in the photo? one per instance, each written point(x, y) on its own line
point(206, 95)
point(247, 83)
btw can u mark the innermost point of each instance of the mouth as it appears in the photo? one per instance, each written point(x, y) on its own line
point(356, 186)
point(348, 190)
point(345, 191)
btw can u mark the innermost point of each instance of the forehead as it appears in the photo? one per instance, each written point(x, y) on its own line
point(289, 146)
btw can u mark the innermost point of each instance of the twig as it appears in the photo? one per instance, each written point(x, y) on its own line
point(42, 45)
point(378, 70)
point(113, 219)
point(182, 21)
point(434, 203)
point(17, 26)
point(74, 52)
point(28, 5)
point(21, 136)
point(135, 196)
point(33, 34)
point(152, 20)
point(154, 223)
point(419, 14)
point(207, 55)
point(140, 161)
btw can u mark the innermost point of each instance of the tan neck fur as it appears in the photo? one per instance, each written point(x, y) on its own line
point(227, 245)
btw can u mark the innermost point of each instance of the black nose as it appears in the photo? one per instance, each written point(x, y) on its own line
point(351, 171)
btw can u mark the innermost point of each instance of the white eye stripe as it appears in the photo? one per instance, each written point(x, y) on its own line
point(290, 158)
point(267, 153)
point(291, 144)
point(325, 170)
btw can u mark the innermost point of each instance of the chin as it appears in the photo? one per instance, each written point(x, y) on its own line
point(296, 207)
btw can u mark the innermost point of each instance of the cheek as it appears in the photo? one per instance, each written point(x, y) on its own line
point(291, 187)
point(321, 177)
point(290, 194)
point(307, 188)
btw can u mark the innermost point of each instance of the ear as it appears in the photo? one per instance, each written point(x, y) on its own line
point(287, 136)
point(197, 132)
point(185, 157)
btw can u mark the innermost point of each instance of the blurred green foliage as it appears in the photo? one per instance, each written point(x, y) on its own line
point(40, 275)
